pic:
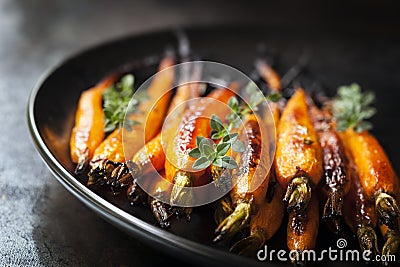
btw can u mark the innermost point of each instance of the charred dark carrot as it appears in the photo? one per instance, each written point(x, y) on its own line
point(252, 168)
point(335, 166)
point(195, 122)
point(264, 224)
point(376, 175)
point(88, 131)
point(110, 154)
point(359, 214)
point(302, 229)
point(298, 159)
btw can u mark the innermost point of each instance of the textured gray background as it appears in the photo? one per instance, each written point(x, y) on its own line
point(40, 222)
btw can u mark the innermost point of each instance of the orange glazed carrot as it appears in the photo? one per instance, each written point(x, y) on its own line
point(88, 131)
point(270, 208)
point(298, 159)
point(195, 122)
point(123, 143)
point(152, 154)
point(376, 174)
point(302, 229)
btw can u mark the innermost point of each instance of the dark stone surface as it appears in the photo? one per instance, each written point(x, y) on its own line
point(40, 222)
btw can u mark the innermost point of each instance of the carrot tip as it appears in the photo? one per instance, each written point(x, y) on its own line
point(160, 213)
point(83, 163)
point(298, 194)
point(81, 167)
point(387, 210)
point(367, 239)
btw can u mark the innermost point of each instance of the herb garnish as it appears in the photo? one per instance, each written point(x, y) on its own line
point(351, 108)
point(207, 152)
point(116, 102)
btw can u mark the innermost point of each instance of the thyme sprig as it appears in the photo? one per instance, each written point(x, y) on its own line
point(351, 108)
point(116, 101)
point(207, 152)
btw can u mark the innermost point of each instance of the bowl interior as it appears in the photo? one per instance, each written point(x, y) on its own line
point(333, 59)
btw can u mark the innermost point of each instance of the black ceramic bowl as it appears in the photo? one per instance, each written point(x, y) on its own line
point(334, 58)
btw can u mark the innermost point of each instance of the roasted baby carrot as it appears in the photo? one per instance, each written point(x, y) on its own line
point(302, 229)
point(88, 131)
point(335, 165)
point(195, 123)
point(270, 76)
point(359, 214)
point(273, 80)
point(351, 108)
point(271, 208)
point(110, 154)
point(298, 159)
point(264, 224)
point(253, 168)
point(376, 175)
point(152, 155)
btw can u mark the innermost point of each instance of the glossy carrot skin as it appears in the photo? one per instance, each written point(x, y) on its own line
point(247, 194)
point(195, 122)
point(270, 214)
point(264, 224)
point(252, 165)
point(112, 148)
point(270, 207)
point(88, 131)
point(376, 175)
point(335, 165)
point(152, 155)
point(293, 153)
point(302, 229)
point(153, 152)
point(375, 170)
point(359, 214)
point(298, 158)
point(359, 209)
